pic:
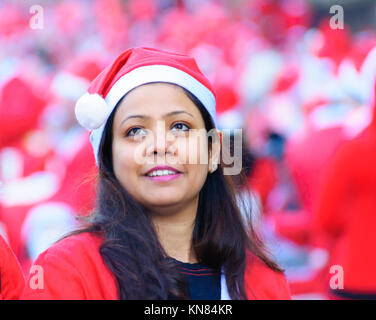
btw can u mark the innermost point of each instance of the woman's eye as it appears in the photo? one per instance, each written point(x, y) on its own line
point(135, 131)
point(180, 127)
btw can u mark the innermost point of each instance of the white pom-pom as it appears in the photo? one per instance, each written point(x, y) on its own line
point(91, 111)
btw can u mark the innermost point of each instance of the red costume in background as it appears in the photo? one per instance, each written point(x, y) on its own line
point(12, 281)
point(345, 211)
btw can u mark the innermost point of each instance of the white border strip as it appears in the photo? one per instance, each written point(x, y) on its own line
point(148, 74)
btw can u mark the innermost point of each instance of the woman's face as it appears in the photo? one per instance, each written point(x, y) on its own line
point(151, 128)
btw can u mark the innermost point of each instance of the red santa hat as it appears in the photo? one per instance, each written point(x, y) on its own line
point(229, 115)
point(135, 67)
point(20, 107)
point(74, 79)
point(334, 44)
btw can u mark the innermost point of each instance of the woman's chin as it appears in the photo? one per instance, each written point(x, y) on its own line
point(162, 203)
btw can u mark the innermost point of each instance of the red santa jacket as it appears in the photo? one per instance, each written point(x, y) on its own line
point(12, 281)
point(345, 211)
point(74, 269)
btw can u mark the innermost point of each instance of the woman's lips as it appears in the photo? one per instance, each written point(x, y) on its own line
point(165, 178)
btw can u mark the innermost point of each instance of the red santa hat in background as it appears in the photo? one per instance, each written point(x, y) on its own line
point(333, 44)
point(228, 110)
point(135, 67)
point(74, 79)
point(20, 107)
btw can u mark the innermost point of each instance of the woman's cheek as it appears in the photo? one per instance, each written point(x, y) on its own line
point(132, 161)
point(124, 159)
point(193, 149)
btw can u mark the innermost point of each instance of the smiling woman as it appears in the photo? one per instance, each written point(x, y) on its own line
point(159, 190)
point(165, 225)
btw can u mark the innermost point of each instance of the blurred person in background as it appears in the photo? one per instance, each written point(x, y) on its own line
point(24, 154)
point(345, 214)
point(70, 139)
point(247, 196)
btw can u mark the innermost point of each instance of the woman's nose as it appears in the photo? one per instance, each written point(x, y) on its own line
point(161, 142)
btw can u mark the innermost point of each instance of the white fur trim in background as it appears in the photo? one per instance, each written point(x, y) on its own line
point(45, 224)
point(69, 86)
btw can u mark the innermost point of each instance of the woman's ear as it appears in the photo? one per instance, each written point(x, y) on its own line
point(215, 151)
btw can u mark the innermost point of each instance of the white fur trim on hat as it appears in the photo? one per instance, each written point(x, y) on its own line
point(149, 74)
point(92, 111)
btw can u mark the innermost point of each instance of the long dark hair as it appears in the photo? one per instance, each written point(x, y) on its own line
point(132, 251)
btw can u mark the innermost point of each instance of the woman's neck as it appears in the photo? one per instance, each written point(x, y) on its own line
point(175, 232)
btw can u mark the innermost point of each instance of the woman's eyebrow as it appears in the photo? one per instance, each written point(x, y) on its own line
point(169, 114)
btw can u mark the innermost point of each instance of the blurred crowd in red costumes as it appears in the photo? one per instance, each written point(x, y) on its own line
point(303, 95)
